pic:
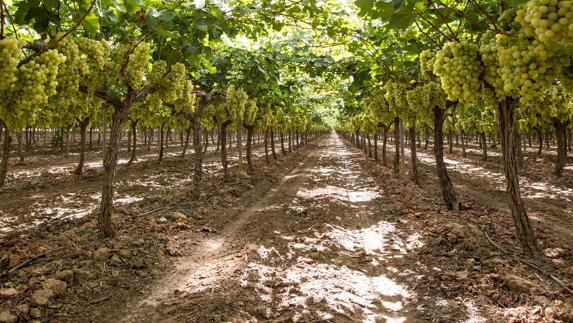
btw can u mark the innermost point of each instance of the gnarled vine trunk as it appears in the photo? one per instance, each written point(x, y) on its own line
point(523, 227)
point(464, 153)
point(540, 137)
point(484, 146)
point(384, 144)
point(240, 146)
point(448, 193)
point(397, 144)
point(376, 146)
point(161, 143)
point(224, 162)
point(283, 150)
point(7, 142)
point(105, 220)
point(21, 147)
point(272, 134)
point(249, 155)
point(413, 157)
point(206, 135)
point(83, 127)
point(266, 140)
point(134, 148)
point(561, 134)
point(198, 159)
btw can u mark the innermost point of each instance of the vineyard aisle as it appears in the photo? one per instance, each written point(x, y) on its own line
point(325, 242)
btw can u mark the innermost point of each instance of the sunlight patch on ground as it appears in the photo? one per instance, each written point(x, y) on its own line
point(479, 152)
point(128, 200)
point(371, 239)
point(212, 245)
point(339, 193)
point(344, 290)
point(61, 212)
point(148, 182)
point(317, 275)
point(473, 313)
point(331, 171)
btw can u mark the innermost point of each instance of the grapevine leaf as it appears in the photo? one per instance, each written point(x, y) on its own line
point(91, 23)
point(401, 18)
point(132, 5)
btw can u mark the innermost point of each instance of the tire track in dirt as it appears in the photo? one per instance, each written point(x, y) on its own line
point(192, 272)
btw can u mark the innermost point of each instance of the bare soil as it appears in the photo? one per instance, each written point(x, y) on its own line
point(322, 234)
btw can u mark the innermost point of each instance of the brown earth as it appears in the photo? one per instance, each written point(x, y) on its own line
point(323, 234)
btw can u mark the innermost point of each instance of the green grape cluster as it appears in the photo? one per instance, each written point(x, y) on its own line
point(427, 61)
point(174, 82)
point(489, 54)
point(459, 68)
point(419, 97)
point(438, 97)
point(369, 123)
point(527, 67)
point(424, 97)
point(158, 71)
point(236, 99)
point(137, 61)
point(39, 77)
point(395, 94)
point(409, 34)
point(250, 114)
point(70, 74)
point(520, 69)
point(187, 98)
point(283, 120)
point(34, 83)
point(9, 52)
point(356, 123)
point(553, 103)
point(171, 85)
point(377, 105)
point(95, 54)
point(268, 119)
point(154, 101)
point(549, 21)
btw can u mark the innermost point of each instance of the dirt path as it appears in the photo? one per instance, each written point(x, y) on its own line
point(320, 244)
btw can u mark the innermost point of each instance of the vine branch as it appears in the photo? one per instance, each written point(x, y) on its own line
point(443, 19)
point(1, 19)
point(434, 27)
point(488, 16)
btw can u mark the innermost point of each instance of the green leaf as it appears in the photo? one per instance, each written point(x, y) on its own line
point(365, 7)
point(41, 19)
point(412, 48)
point(401, 18)
point(91, 23)
point(203, 25)
point(112, 16)
point(51, 4)
point(132, 5)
